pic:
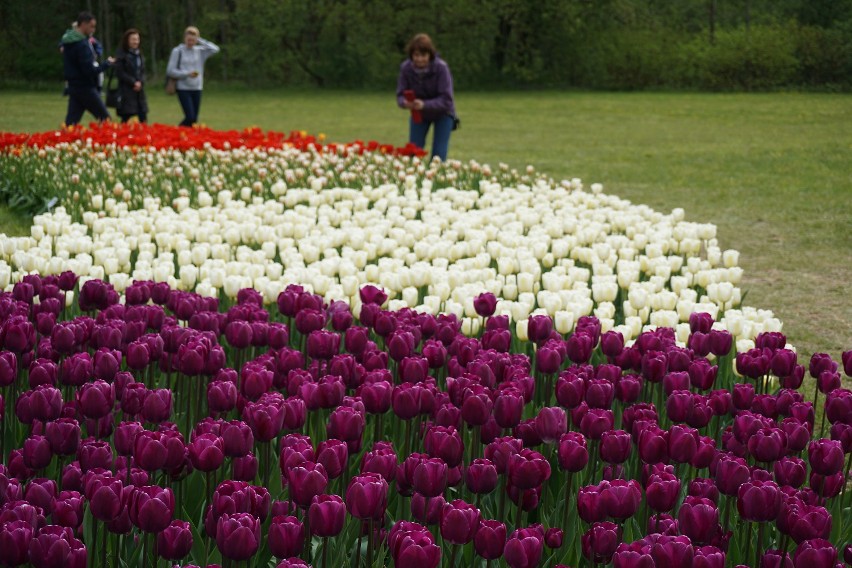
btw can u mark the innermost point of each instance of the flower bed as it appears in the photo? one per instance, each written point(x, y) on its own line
point(405, 362)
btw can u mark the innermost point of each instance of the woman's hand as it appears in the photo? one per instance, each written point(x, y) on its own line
point(137, 86)
point(416, 104)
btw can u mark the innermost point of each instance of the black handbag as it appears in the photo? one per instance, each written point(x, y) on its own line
point(113, 96)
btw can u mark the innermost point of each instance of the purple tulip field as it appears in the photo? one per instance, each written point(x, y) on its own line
point(428, 370)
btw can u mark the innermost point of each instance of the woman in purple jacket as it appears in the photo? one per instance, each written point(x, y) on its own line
point(425, 87)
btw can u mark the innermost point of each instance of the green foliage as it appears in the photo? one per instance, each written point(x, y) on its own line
point(604, 44)
point(744, 59)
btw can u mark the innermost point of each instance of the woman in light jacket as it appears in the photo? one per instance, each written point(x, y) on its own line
point(186, 64)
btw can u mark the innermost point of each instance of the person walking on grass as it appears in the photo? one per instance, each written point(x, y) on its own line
point(186, 64)
point(130, 70)
point(82, 71)
point(425, 87)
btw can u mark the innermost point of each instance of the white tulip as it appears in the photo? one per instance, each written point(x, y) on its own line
point(521, 330)
point(564, 321)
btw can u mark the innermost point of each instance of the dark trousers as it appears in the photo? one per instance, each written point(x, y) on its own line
point(190, 102)
point(143, 117)
point(440, 134)
point(82, 99)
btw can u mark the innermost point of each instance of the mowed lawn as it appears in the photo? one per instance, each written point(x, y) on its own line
point(772, 171)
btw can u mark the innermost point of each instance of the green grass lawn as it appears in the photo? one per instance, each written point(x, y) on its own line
point(772, 171)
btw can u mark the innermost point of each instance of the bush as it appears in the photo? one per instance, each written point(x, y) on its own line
point(740, 59)
point(825, 56)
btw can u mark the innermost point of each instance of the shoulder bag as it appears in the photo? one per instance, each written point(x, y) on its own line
point(171, 82)
point(113, 96)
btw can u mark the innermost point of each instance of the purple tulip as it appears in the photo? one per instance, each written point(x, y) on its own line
point(508, 407)
point(528, 469)
point(790, 471)
point(427, 510)
point(620, 498)
point(238, 536)
point(15, 537)
point(56, 546)
point(306, 480)
point(367, 496)
point(572, 452)
point(731, 472)
point(206, 452)
point(759, 501)
point(152, 508)
point(481, 476)
point(286, 536)
point(459, 522)
point(68, 509)
point(825, 456)
point(803, 522)
point(697, 519)
point(551, 423)
point(523, 551)
point(416, 549)
point(662, 492)
point(615, 446)
point(490, 539)
point(444, 443)
point(333, 455)
point(326, 515)
point(485, 304)
point(815, 553)
point(175, 541)
point(36, 452)
point(601, 541)
point(381, 461)
point(429, 477)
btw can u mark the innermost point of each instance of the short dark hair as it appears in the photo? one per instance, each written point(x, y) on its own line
point(126, 37)
point(84, 17)
point(421, 43)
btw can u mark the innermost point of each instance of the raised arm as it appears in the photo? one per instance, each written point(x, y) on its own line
point(207, 47)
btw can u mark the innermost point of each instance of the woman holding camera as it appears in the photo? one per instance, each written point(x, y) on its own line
point(425, 87)
point(186, 64)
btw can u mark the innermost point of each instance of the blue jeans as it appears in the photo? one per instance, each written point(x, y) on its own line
point(440, 135)
point(190, 102)
point(84, 99)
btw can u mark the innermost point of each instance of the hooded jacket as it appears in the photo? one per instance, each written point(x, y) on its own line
point(78, 57)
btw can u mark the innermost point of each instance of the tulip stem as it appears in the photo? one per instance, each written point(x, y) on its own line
point(759, 550)
point(747, 530)
point(104, 549)
point(566, 514)
point(502, 499)
point(520, 509)
point(325, 553)
point(455, 549)
point(155, 561)
point(843, 491)
point(358, 554)
point(94, 546)
point(307, 539)
point(370, 543)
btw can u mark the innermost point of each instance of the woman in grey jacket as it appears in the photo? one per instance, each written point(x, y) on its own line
point(186, 64)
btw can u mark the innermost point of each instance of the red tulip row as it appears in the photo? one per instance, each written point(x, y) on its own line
point(160, 136)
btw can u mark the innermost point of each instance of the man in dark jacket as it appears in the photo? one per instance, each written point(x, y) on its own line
point(82, 70)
